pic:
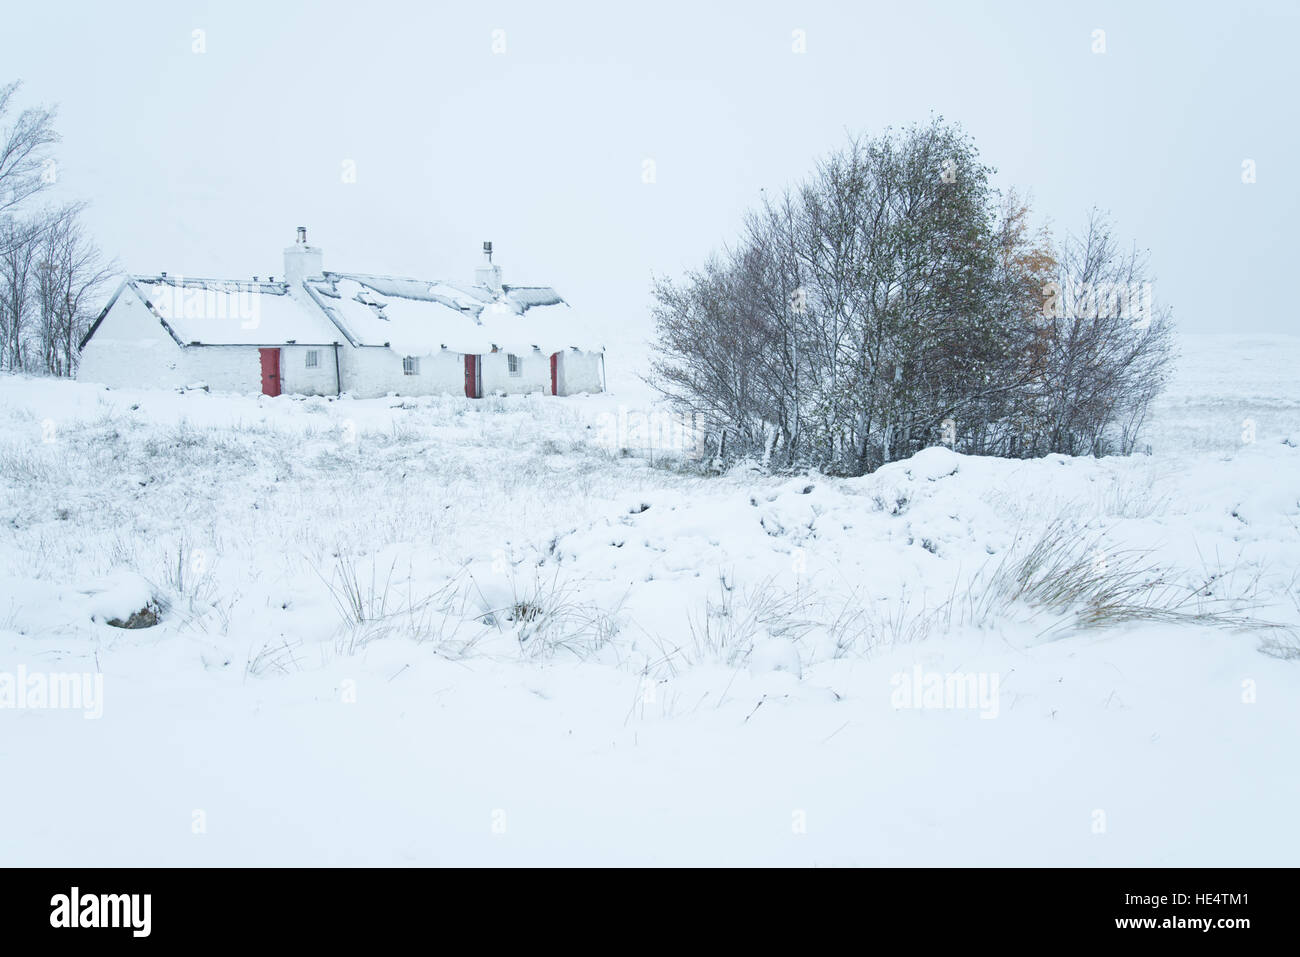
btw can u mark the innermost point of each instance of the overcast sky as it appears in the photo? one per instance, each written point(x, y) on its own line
point(203, 163)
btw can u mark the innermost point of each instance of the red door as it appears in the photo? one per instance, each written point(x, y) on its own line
point(471, 377)
point(270, 371)
point(555, 373)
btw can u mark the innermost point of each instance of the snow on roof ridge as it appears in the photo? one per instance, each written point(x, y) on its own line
point(178, 280)
point(524, 296)
point(200, 282)
point(476, 289)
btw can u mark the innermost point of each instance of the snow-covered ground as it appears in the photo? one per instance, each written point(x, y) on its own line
point(443, 631)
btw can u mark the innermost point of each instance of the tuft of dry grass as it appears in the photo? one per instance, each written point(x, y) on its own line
point(729, 626)
point(547, 619)
point(371, 608)
point(274, 658)
point(1080, 582)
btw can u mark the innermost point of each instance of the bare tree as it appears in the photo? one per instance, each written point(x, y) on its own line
point(70, 273)
point(24, 151)
point(1108, 346)
point(18, 245)
point(50, 272)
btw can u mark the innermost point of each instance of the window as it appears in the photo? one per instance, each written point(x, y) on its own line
point(313, 358)
point(410, 366)
point(516, 367)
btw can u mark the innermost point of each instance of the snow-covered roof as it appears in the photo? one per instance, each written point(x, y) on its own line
point(410, 316)
point(419, 317)
point(216, 312)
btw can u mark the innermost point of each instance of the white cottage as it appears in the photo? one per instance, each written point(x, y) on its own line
point(325, 333)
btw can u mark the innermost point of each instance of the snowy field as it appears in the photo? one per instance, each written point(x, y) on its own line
point(444, 631)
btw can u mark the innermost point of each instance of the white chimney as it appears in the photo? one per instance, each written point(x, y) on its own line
point(488, 274)
point(302, 261)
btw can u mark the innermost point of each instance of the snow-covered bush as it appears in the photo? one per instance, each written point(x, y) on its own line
point(894, 301)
